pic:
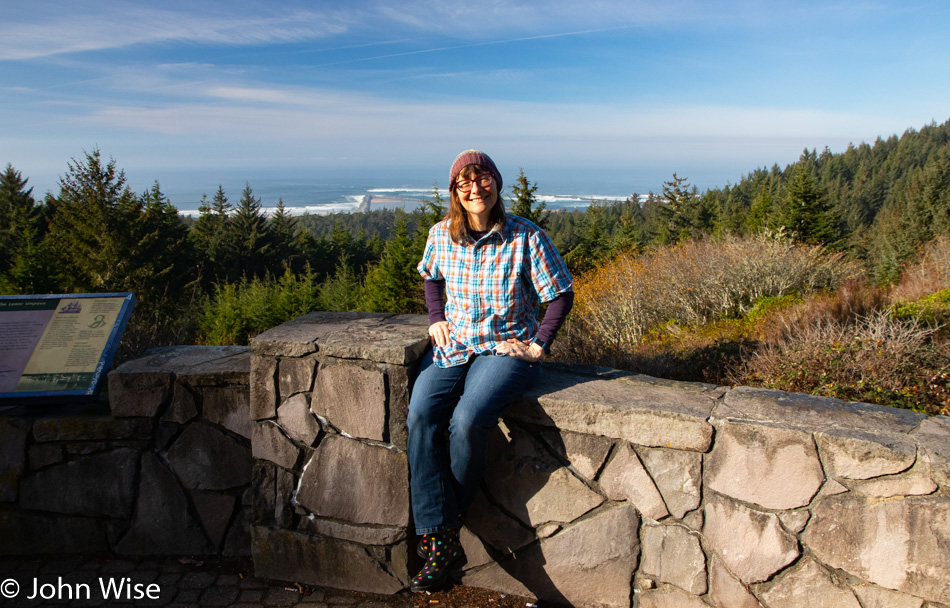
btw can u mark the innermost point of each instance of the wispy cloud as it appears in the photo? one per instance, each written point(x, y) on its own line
point(33, 30)
point(455, 47)
point(116, 25)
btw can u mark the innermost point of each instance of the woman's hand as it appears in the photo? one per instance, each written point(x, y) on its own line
point(439, 333)
point(516, 348)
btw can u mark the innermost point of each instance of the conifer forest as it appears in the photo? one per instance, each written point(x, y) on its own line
point(829, 276)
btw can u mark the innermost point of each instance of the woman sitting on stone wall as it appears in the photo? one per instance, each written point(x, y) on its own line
point(486, 274)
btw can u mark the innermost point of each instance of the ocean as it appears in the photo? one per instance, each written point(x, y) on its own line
point(307, 191)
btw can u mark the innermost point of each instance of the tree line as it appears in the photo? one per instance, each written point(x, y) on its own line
point(876, 203)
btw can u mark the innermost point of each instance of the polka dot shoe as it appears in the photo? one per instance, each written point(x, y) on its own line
point(422, 549)
point(444, 555)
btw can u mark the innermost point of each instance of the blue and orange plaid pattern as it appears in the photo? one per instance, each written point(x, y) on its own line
point(494, 286)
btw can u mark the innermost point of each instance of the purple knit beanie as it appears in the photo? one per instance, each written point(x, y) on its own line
point(474, 157)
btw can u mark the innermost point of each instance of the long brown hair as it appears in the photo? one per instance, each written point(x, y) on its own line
point(459, 224)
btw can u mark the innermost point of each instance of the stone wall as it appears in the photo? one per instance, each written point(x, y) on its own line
point(604, 489)
point(165, 471)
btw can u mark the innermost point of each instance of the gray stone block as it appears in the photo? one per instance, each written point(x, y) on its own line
point(502, 533)
point(228, 406)
point(163, 524)
point(795, 521)
point(263, 388)
point(295, 375)
point(555, 570)
point(214, 513)
point(586, 453)
point(808, 584)
point(97, 485)
point(270, 443)
point(138, 393)
point(678, 476)
point(294, 556)
point(351, 398)
point(205, 458)
point(357, 483)
point(238, 540)
point(83, 424)
point(673, 555)
point(296, 419)
point(872, 596)
point(13, 435)
point(263, 490)
point(140, 387)
point(624, 478)
point(363, 535)
point(898, 544)
point(669, 597)
point(813, 413)
point(640, 413)
point(725, 590)
point(399, 381)
point(398, 344)
point(221, 365)
point(531, 484)
point(381, 337)
point(933, 437)
point(915, 482)
point(183, 406)
point(284, 485)
point(862, 455)
point(752, 544)
point(771, 466)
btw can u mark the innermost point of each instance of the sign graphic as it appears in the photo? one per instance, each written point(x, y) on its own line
point(59, 345)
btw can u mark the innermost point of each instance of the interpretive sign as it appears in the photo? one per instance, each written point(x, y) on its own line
point(59, 345)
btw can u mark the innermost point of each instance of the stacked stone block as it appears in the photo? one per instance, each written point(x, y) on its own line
point(329, 397)
point(165, 471)
point(604, 488)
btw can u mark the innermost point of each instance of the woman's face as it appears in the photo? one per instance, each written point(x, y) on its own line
point(480, 199)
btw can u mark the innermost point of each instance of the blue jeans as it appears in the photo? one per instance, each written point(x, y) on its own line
point(467, 400)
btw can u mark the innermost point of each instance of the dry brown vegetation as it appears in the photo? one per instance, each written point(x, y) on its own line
point(767, 312)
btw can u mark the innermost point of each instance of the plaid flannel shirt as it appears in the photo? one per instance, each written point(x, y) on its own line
point(494, 286)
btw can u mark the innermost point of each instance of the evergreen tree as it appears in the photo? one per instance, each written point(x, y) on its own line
point(343, 291)
point(393, 285)
point(210, 236)
point(16, 205)
point(680, 213)
point(593, 239)
point(524, 203)
point(804, 210)
point(757, 219)
point(429, 213)
point(89, 229)
point(250, 237)
point(160, 254)
point(25, 266)
point(630, 235)
point(285, 248)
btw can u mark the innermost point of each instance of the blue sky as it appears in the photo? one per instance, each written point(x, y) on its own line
point(715, 87)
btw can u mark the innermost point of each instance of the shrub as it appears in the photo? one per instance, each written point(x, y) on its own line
point(933, 309)
point(931, 273)
point(237, 312)
point(698, 282)
point(874, 358)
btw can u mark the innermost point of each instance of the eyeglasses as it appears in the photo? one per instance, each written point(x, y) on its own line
point(465, 185)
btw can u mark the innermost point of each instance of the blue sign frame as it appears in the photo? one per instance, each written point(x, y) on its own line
point(24, 340)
